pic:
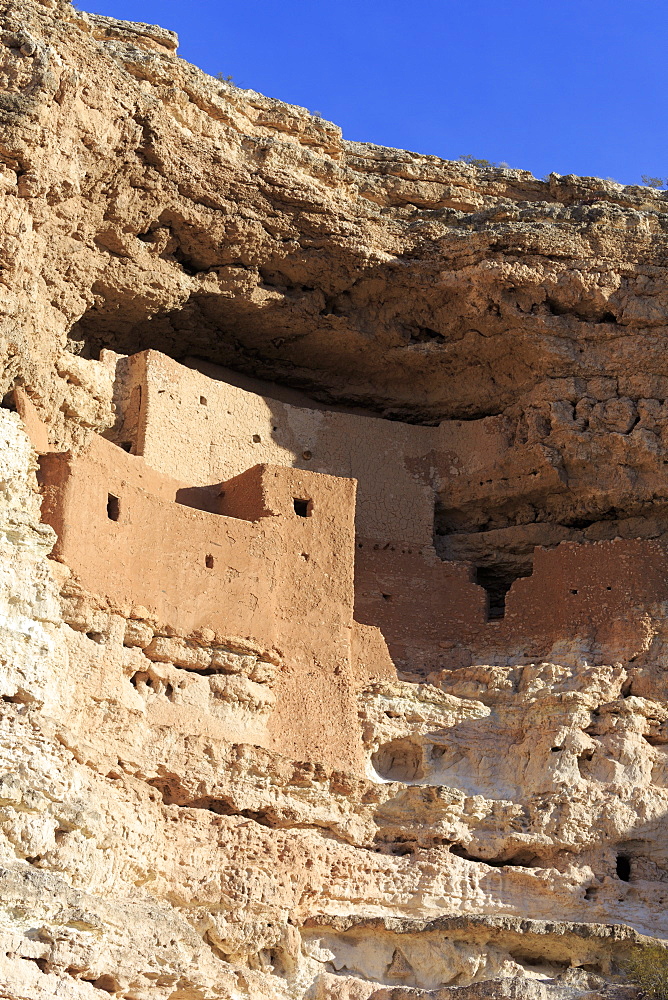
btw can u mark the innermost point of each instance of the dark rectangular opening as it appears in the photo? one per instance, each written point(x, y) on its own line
point(497, 584)
point(113, 507)
point(497, 580)
point(302, 507)
point(209, 562)
point(623, 867)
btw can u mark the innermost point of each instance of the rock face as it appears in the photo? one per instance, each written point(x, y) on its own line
point(418, 748)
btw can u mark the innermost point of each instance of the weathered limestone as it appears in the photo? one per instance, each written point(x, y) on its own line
point(499, 822)
point(189, 807)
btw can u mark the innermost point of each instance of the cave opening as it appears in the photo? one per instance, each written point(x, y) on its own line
point(399, 760)
point(623, 867)
point(225, 321)
point(524, 858)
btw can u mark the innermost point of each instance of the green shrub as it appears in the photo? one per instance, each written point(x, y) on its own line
point(648, 968)
point(225, 79)
point(475, 161)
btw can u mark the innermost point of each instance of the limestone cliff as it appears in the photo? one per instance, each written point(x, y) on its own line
point(488, 817)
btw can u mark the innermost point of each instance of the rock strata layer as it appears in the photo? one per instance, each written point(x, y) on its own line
point(498, 827)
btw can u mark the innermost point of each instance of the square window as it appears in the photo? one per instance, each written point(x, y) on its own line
point(302, 507)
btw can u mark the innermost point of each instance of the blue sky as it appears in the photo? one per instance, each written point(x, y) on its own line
point(576, 86)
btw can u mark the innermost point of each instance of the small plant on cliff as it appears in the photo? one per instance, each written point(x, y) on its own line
point(648, 968)
point(225, 79)
point(476, 162)
point(653, 182)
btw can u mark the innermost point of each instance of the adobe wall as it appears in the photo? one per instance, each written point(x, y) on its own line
point(585, 600)
point(201, 430)
point(282, 582)
point(430, 611)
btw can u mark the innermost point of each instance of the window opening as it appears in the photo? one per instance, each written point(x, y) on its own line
point(202, 400)
point(497, 584)
point(302, 507)
point(113, 507)
point(209, 561)
point(623, 867)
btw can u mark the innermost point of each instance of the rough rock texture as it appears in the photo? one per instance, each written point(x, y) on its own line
point(511, 824)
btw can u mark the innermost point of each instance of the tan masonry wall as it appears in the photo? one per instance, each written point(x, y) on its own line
point(431, 613)
point(281, 582)
point(221, 469)
point(200, 430)
point(588, 596)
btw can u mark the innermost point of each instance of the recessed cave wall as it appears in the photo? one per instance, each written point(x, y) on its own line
point(499, 541)
point(296, 317)
point(411, 337)
point(227, 332)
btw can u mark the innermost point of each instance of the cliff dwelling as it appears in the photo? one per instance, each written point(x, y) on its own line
point(333, 522)
point(512, 600)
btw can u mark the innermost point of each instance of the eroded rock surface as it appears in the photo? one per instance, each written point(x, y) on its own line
point(499, 829)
